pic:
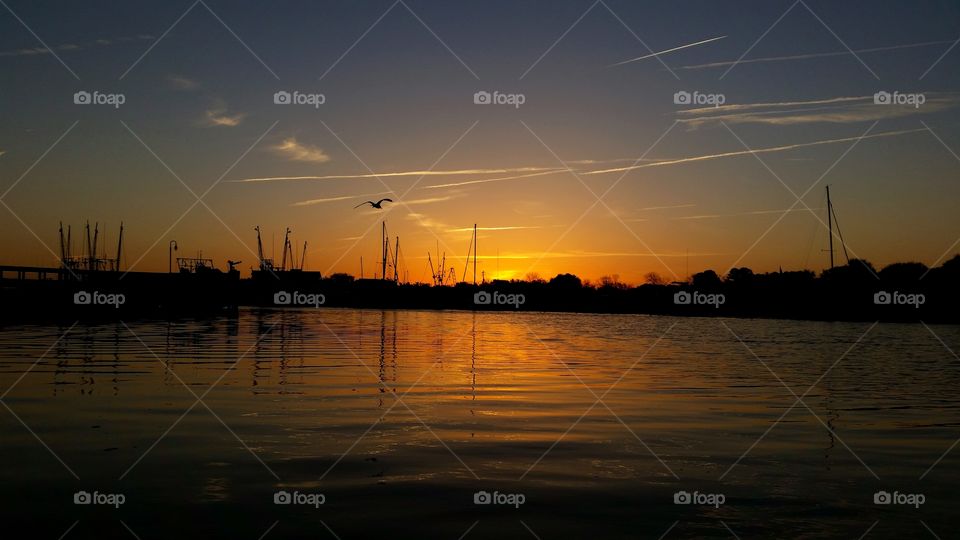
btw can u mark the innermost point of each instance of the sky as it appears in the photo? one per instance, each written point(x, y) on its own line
point(587, 164)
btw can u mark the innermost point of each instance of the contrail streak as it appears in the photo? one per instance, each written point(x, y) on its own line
point(667, 51)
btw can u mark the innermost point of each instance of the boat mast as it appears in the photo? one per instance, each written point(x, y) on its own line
point(830, 224)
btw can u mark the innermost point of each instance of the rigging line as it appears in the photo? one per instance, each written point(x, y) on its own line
point(843, 243)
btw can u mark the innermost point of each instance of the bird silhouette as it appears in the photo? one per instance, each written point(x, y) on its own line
point(374, 204)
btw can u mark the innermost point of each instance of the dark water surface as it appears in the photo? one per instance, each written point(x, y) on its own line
point(398, 418)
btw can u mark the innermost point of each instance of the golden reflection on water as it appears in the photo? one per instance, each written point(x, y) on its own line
point(348, 399)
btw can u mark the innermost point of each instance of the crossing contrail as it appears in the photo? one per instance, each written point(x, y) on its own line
point(651, 55)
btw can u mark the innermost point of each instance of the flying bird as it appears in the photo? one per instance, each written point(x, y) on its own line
point(374, 204)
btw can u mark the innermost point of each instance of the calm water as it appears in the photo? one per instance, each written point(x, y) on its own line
point(398, 418)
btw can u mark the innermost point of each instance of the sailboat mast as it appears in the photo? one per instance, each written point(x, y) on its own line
point(830, 224)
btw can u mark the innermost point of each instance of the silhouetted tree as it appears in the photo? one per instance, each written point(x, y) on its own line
point(708, 279)
point(908, 273)
point(566, 281)
point(740, 276)
point(653, 278)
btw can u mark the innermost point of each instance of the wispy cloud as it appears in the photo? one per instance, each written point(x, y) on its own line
point(840, 110)
point(681, 47)
point(220, 117)
point(294, 150)
point(814, 55)
point(506, 228)
point(182, 83)
point(69, 47)
point(667, 207)
point(785, 148)
point(456, 172)
point(740, 214)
